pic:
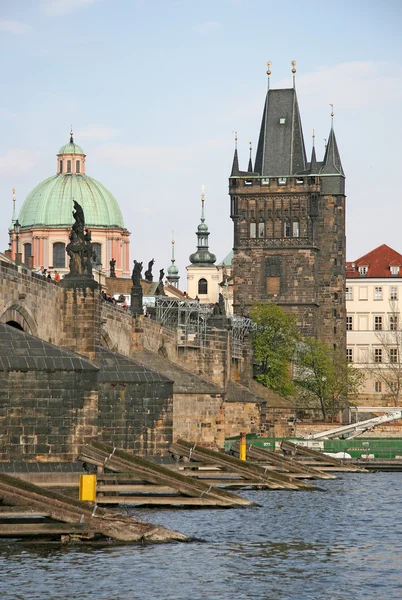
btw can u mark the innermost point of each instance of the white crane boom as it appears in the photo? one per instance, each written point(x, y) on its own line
point(355, 429)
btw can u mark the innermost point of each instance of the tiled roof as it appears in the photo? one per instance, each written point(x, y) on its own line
point(116, 367)
point(378, 262)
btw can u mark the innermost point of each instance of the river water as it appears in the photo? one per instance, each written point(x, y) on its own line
point(343, 542)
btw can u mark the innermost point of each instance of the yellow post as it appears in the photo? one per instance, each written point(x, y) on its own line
point(243, 447)
point(88, 488)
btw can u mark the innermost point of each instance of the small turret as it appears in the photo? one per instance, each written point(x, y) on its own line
point(202, 257)
point(173, 271)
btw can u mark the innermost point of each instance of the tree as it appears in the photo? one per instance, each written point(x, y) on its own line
point(386, 361)
point(274, 341)
point(325, 376)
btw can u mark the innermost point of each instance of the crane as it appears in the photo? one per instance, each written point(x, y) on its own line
point(355, 429)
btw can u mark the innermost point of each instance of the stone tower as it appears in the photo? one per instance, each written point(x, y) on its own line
point(289, 224)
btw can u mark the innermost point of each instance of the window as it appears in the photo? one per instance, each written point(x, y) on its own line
point(393, 386)
point(378, 355)
point(253, 230)
point(203, 286)
point(27, 252)
point(394, 270)
point(282, 121)
point(261, 229)
point(349, 355)
point(349, 293)
point(286, 229)
point(378, 387)
point(77, 166)
point(97, 253)
point(299, 181)
point(363, 270)
point(393, 293)
point(393, 355)
point(378, 293)
point(69, 166)
point(377, 323)
point(59, 255)
point(281, 180)
point(393, 323)
point(349, 323)
point(264, 181)
point(296, 229)
point(61, 166)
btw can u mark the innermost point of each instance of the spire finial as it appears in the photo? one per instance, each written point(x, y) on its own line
point(235, 134)
point(294, 72)
point(332, 114)
point(202, 202)
point(172, 246)
point(14, 201)
point(71, 135)
point(269, 63)
point(250, 147)
point(313, 138)
point(325, 142)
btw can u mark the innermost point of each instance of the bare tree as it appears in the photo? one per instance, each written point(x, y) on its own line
point(386, 365)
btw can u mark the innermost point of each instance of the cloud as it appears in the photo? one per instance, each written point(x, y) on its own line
point(206, 28)
point(17, 162)
point(14, 27)
point(155, 157)
point(62, 7)
point(350, 85)
point(96, 132)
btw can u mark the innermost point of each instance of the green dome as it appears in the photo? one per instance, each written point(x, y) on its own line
point(71, 148)
point(51, 203)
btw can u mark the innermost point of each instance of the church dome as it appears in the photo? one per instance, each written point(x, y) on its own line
point(71, 148)
point(50, 203)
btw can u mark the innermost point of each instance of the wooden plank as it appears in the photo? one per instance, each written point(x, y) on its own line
point(251, 471)
point(318, 456)
point(139, 489)
point(30, 529)
point(163, 501)
point(119, 460)
point(283, 462)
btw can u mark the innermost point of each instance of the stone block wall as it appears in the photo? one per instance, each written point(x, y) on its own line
point(243, 417)
point(199, 418)
point(46, 415)
point(136, 416)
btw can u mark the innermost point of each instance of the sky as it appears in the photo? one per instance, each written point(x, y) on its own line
point(155, 88)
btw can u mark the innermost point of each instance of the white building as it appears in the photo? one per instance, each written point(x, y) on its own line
point(374, 330)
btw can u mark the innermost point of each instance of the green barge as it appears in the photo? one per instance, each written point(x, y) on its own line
point(360, 447)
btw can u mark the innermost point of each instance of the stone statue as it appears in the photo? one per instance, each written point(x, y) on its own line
point(161, 274)
point(112, 268)
point(79, 249)
point(148, 272)
point(136, 275)
point(221, 305)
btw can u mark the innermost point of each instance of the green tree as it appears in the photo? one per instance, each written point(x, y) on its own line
point(324, 376)
point(274, 341)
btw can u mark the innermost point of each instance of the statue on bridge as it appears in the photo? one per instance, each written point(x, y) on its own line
point(79, 248)
point(136, 290)
point(136, 275)
point(148, 272)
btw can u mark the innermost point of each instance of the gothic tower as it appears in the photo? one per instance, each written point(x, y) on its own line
point(289, 224)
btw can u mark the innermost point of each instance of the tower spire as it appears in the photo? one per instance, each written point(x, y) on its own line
point(332, 164)
point(313, 162)
point(269, 73)
point(235, 164)
point(294, 73)
point(202, 257)
point(14, 218)
point(173, 272)
point(71, 135)
point(250, 162)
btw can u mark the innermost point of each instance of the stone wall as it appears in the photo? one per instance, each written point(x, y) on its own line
point(199, 418)
point(46, 416)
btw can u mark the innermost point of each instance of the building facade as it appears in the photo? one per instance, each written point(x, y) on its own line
point(289, 225)
point(374, 336)
point(46, 218)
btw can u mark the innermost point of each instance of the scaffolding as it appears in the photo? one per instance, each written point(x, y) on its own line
point(188, 318)
point(241, 327)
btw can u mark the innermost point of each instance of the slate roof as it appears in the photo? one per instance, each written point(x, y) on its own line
point(331, 165)
point(20, 351)
point(185, 382)
point(280, 150)
point(378, 262)
point(116, 367)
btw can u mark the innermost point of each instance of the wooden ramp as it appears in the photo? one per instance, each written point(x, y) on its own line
point(319, 459)
point(141, 482)
point(250, 474)
point(282, 463)
point(58, 515)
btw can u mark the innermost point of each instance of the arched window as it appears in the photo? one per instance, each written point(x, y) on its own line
point(77, 166)
point(203, 286)
point(296, 229)
point(97, 253)
point(261, 229)
point(286, 229)
point(27, 253)
point(253, 230)
point(59, 255)
point(61, 166)
point(69, 166)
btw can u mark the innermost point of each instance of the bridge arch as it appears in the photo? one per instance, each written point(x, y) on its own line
point(21, 317)
point(106, 340)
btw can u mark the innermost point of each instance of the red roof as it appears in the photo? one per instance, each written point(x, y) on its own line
point(378, 262)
